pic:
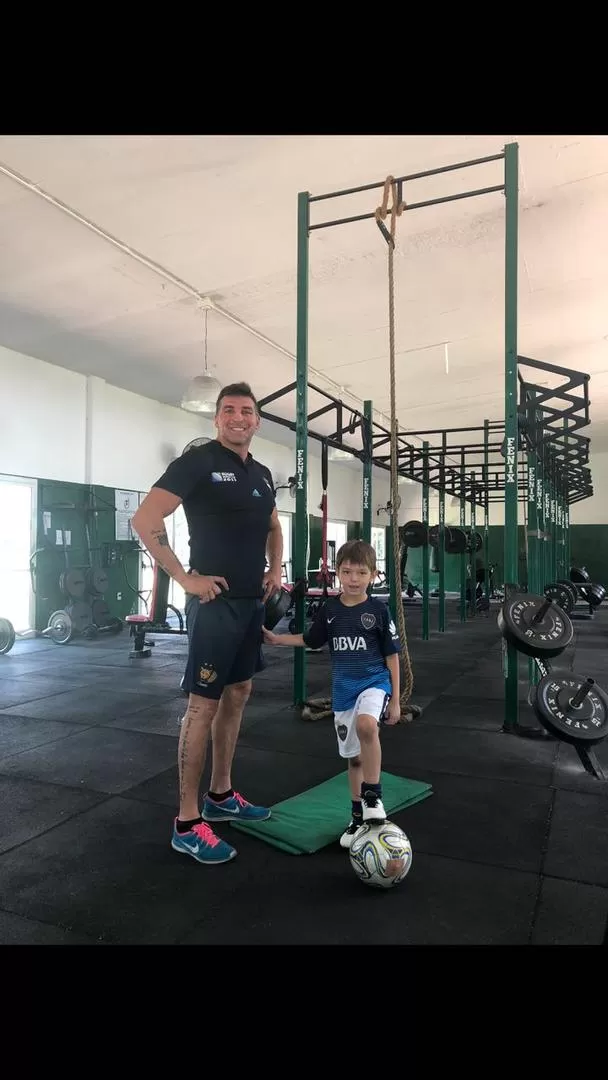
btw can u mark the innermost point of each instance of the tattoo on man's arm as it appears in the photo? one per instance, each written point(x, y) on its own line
point(162, 538)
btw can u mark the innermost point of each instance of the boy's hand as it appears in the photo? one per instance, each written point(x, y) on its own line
point(269, 637)
point(393, 714)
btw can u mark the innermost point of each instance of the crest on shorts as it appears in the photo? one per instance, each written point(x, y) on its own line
point(207, 674)
point(342, 732)
point(368, 621)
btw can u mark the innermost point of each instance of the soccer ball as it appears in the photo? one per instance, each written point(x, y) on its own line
point(380, 854)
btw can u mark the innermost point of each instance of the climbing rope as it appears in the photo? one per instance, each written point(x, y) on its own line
point(408, 712)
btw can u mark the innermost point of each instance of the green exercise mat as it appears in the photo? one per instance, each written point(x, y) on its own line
point(307, 822)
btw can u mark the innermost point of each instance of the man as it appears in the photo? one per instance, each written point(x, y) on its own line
point(229, 503)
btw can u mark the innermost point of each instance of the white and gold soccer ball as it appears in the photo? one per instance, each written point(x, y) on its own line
point(381, 854)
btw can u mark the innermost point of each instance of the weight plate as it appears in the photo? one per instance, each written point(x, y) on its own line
point(61, 627)
point(561, 596)
point(567, 584)
point(547, 637)
point(100, 612)
point(72, 583)
point(456, 543)
point(413, 534)
point(579, 575)
point(81, 615)
point(593, 594)
point(7, 636)
point(277, 606)
point(447, 537)
point(474, 542)
point(97, 581)
point(553, 704)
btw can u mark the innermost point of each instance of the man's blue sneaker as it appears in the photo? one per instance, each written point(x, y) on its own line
point(235, 808)
point(202, 844)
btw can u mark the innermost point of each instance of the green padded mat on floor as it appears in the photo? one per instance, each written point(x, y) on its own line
point(310, 821)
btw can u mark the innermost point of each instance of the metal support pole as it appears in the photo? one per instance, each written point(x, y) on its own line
point(425, 549)
point(567, 531)
point(547, 516)
point(463, 522)
point(566, 504)
point(366, 528)
point(534, 546)
point(486, 515)
point(563, 566)
point(510, 654)
point(533, 528)
point(472, 559)
point(394, 586)
point(441, 548)
point(540, 515)
point(300, 550)
point(553, 528)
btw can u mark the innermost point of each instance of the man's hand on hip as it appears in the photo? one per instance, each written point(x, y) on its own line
point(206, 586)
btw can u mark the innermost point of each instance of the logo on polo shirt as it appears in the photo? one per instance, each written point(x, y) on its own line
point(223, 477)
point(256, 492)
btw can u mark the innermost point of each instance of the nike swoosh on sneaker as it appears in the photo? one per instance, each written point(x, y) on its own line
point(225, 809)
point(194, 848)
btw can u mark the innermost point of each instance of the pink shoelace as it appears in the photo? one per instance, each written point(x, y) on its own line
point(206, 834)
point(241, 801)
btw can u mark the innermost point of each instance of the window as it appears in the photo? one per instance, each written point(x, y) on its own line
point(181, 547)
point(17, 541)
point(285, 520)
point(336, 536)
point(177, 533)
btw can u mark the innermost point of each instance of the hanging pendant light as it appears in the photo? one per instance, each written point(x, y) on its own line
point(203, 391)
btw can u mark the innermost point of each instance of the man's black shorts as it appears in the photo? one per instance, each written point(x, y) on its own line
point(225, 644)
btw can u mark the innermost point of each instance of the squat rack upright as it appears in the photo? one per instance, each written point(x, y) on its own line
point(510, 187)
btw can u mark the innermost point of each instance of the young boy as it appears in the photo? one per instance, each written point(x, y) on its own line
point(364, 647)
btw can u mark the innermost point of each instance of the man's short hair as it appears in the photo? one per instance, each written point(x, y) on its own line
point(236, 389)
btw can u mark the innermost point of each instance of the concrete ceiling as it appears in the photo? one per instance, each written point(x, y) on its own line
point(219, 213)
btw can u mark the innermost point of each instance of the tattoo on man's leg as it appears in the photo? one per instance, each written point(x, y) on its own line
point(183, 758)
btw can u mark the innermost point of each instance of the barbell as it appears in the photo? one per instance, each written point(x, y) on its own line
point(79, 619)
point(566, 593)
point(571, 707)
point(415, 534)
point(7, 636)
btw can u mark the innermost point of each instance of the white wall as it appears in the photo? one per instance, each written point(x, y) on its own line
point(42, 419)
point(58, 425)
point(594, 511)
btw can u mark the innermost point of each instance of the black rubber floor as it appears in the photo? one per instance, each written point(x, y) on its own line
point(511, 849)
